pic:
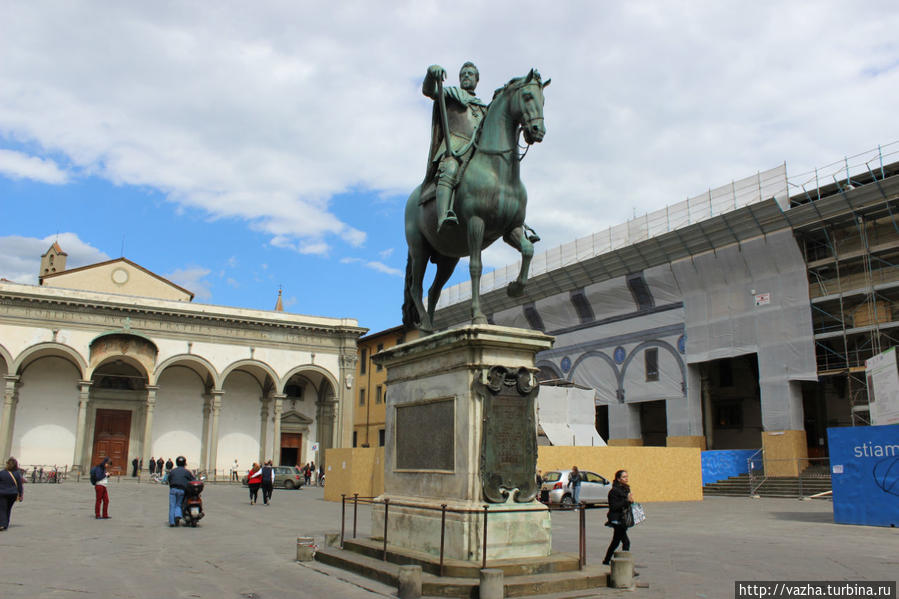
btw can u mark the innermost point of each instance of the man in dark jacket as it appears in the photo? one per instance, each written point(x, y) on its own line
point(134, 464)
point(178, 479)
point(159, 464)
point(268, 482)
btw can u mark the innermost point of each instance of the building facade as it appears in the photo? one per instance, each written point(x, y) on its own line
point(115, 360)
point(370, 388)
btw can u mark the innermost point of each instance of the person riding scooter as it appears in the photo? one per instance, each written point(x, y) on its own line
point(178, 479)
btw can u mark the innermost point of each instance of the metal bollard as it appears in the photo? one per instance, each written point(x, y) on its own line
point(491, 586)
point(409, 586)
point(622, 573)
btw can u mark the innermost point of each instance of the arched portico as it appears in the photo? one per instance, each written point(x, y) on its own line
point(318, 403)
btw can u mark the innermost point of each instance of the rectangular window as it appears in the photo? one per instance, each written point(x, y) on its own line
point(401, 339)
point(381, 435)
point(361, 397)
point(378, 394)
point(379, 367)
point(651, 359)
point(363, 360)
point(725, 373)
point(355, 436)
point(729, 415)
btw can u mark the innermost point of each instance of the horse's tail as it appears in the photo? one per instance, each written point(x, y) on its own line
point(410, 312)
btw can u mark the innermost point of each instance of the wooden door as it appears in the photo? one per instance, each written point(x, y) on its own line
point(112, 433)
point(292, 443)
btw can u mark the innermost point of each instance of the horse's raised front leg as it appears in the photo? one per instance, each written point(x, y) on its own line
point(445, 267)
point(518, 240)
point(475, 240)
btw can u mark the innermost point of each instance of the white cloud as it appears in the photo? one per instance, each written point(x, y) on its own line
point(381, 267)
point(17, 165)
point(266, 115)
point(192, 278)
point(385, 254)
point(374, 265)
point(20, 257)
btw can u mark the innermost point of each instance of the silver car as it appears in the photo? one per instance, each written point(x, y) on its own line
point(555, 490)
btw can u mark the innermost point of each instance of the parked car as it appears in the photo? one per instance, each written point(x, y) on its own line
point(286, 477)
point(555, 490)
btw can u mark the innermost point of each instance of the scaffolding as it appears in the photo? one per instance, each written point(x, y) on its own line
point(852, 256)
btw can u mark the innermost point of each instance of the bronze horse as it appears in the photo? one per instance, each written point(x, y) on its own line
point(490, 202)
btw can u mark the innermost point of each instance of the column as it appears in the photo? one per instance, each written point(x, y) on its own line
point(84, 389)
point(344, 397)
point(204, 439)
point(277, 405)
point(216, 409)
point(10, 399)
point(684, 416)
point(148, 423)
point(708, 411)
point(325, 429)
point(624, 425)
point(263, 429)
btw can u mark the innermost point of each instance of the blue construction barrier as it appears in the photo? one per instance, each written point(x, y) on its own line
point(864, 463)
point(719, 464)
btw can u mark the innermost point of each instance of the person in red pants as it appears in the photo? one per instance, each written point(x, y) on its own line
point(99, 478)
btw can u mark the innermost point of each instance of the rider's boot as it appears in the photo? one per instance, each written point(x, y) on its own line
point(445, 216)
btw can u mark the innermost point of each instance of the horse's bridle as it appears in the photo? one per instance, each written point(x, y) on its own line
point(527, 123)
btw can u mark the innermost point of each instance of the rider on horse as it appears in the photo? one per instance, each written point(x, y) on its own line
point(464, 112)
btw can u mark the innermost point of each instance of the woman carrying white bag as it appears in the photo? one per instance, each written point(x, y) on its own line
point(621, 514)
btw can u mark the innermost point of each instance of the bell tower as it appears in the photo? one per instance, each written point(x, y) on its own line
point(52, 261)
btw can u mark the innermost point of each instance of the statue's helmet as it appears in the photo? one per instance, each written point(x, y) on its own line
point(477, 73)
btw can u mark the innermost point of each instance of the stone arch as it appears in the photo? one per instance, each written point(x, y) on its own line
point(49, 348)
point(619, 376)
point(545, 366)
point(200, 365)
point(661, 344)
point(136, 350)
point(324, 372)
point(258, 369)
point(7, 360)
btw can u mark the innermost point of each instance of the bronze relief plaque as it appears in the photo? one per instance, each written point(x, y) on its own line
point(509, 440)
point(425, 435)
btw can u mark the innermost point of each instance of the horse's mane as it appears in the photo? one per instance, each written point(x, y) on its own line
point(515, 83)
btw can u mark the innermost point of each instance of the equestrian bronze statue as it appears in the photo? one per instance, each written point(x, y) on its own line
point(472, 193)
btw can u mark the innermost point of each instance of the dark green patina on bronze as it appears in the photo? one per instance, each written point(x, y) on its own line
point(472, 193)
point(509, 439)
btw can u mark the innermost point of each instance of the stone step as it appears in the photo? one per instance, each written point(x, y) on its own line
point(523, 585)
point(557, 562)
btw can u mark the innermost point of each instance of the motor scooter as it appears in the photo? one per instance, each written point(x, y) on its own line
point(192, 508)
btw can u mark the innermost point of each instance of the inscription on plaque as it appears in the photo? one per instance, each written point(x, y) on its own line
point(425, 436)
point(509, 442)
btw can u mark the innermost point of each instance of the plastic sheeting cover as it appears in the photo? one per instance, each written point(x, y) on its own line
point(566, 415)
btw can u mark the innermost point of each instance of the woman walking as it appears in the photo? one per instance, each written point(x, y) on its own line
point(254, 481)
point(12, 489)
point(620, 500)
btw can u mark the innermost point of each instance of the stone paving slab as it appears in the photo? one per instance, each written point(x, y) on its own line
point(55, 547)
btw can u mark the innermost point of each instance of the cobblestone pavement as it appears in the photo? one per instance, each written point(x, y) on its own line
point(55, 547)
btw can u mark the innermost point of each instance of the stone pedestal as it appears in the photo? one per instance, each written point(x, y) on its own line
point(461, 431)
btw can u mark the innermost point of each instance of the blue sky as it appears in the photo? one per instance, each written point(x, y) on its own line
point(237, 149)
